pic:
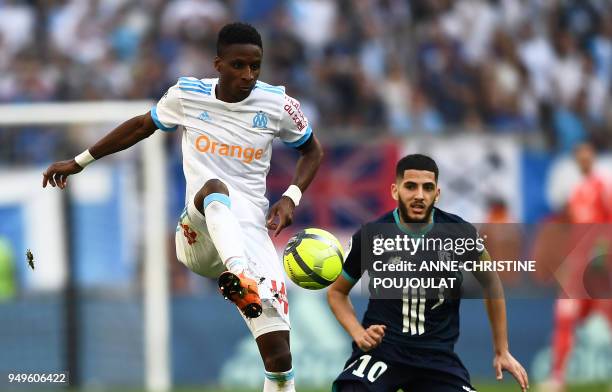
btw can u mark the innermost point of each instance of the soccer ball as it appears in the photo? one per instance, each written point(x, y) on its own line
point(313, 259)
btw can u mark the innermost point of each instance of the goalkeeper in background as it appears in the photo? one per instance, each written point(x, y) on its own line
point(590, 202)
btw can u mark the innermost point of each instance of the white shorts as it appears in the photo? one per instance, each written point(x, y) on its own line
point(195, 249)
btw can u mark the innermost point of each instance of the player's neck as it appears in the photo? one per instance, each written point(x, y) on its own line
point(417, 225)
point(414, 227)
point(222, 95)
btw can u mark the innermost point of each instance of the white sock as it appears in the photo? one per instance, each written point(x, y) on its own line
point(225, 231)
point(279, 381)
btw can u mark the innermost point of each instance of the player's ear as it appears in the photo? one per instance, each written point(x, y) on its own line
point(437, 195)
point(217, 63)
point(394, 192)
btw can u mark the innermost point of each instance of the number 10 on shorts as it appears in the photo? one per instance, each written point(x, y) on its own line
point(375, 371)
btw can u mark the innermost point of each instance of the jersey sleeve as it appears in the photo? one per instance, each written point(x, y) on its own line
point(294, 129)
point(351, 270)
point(168, 112)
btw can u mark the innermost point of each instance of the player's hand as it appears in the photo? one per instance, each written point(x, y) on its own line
point(370, 338)
point(506, 361)
point(57, 174)
point(280, 215)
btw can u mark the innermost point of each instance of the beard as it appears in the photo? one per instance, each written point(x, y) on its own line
point(403, 210)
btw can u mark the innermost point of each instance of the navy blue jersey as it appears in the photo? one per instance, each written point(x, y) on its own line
point(416, 318)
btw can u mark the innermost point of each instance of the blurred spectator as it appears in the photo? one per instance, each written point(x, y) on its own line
point(194, 19)
point(596, 92)
point(445, 77)
point(471, 22)
point(313, 21)
point(536, 54)
point(285, 54)
point(502, 85)
point(423, 116)
point(569, 123)
point(16, 35)
point(395, 91)
point(567, 76)
point(601, 50)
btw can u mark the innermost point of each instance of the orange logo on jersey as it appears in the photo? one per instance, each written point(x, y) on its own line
point(246, 154)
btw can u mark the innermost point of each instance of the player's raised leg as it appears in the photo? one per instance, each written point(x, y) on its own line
point(276, 355)
point(213, 201)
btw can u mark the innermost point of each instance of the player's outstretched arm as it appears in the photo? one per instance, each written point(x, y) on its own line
point(496, 310)
point(280, 214)
point(341, 306)
point(311, 155)
point(125, 135)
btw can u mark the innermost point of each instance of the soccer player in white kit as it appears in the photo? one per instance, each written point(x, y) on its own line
point(228, 125)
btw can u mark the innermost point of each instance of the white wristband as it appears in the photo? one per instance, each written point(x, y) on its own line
point(294, 193)
point(84, 158)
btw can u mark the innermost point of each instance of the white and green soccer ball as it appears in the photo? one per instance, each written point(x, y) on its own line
point(313, 259)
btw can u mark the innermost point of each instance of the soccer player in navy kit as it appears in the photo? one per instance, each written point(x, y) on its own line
point(408, 341)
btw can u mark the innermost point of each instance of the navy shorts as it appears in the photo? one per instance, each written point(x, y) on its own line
point(367, 372)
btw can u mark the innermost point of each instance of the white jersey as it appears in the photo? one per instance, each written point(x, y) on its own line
point(231, 141)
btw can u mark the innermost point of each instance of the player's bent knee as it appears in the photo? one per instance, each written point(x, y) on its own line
point(210, 187)
point(214, 185)
point(279, 361)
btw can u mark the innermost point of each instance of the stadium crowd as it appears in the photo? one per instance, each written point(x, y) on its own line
point(391, 67)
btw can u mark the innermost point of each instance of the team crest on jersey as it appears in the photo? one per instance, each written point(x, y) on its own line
point(260, 120)
point(204, 116)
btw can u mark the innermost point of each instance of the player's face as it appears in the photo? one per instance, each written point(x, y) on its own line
point(238, 68)
point(416, 194)
point(585, 158)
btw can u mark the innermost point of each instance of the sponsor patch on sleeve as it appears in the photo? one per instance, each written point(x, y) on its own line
point(292, 107)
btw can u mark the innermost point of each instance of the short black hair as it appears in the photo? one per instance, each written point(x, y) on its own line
point(237, 33)
point(416, 162)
